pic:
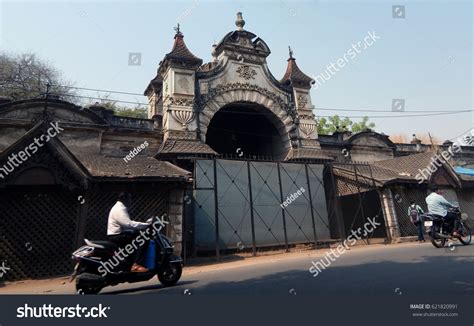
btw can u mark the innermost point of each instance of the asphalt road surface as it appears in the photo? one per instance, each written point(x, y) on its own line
point(400, 269)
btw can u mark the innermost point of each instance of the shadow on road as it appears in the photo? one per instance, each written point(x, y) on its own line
point(428, 275)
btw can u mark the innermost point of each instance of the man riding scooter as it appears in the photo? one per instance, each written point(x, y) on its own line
point(119, 228)
point(438, 205)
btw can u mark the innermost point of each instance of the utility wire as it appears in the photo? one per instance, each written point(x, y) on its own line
point(437, 112)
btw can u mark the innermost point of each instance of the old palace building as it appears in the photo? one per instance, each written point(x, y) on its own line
point(226, 143)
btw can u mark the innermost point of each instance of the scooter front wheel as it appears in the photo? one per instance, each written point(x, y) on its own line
point(170, 274)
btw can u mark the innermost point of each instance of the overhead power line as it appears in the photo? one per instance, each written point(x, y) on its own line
point(392, 114)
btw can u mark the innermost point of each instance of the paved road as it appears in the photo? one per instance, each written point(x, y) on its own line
point(408, 268)
point(404, 268)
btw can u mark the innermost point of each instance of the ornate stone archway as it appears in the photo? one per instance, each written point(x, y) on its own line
point(280, 114)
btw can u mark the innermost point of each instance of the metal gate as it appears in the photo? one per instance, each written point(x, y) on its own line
point(249, 204)
point(356, 199)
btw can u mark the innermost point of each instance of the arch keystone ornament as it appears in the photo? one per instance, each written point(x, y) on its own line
point(235, 99)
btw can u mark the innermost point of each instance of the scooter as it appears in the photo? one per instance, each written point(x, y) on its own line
point(440, 230)
point(98, 264)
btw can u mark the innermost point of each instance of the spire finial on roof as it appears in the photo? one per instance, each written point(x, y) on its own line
point(240, 22)
point(290, 51)
point(178, 30)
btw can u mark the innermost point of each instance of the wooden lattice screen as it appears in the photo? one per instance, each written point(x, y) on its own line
point(37, 233)
point(39, 230)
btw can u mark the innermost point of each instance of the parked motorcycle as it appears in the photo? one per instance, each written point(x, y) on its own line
point(92, 275)
point(441, 230)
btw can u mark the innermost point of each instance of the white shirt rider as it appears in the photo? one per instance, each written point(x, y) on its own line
point(119, 220)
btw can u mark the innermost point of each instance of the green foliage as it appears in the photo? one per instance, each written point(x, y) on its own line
point(335, 123)
point(124, 111)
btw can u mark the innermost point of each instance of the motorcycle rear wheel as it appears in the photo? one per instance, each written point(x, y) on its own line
point(436, 241)
point(466, 231)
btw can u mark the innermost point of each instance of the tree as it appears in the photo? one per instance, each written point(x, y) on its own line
point(362, 125)
point(26, 76)
point(335, 123)
point(124, 111)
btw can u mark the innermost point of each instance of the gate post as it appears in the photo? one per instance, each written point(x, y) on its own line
point(361, 205)
point(337, 205)
point(311, 205)
point(254, 251)
point(282, 209)
point(216, 209)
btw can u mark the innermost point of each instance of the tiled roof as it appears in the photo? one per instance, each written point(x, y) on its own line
point(181, 52)
point(407, 165)
point(184, 147)
point(139, 166)
point(404, 168)
point(295, 76)
point(307, 153)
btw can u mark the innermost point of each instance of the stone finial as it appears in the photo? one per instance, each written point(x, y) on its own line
point(290, 52)
point(214, 52)
point(240, 22)
point(415, 140)
point(178, 30)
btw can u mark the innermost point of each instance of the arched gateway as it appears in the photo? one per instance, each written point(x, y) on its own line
point(233, 104)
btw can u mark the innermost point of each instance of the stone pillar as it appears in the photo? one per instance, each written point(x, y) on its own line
point(390, 215)
point(175, 214)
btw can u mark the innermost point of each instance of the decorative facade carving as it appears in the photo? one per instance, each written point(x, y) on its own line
point(246, 72)
point(221, 89)
point(178, 101)
point(307, 128)
point(307, 116)
point(302, 101)
point(184, 117)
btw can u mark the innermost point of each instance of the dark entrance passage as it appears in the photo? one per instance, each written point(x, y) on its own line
point(248, 130)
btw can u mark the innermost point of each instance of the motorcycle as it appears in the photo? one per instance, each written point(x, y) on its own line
point(92, 272)
point(441, 230)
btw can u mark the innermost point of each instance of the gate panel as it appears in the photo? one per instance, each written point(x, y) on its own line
point(318, 196)
point(298, 213)
point(266, 204)
point(203, 205)
point(235, 229)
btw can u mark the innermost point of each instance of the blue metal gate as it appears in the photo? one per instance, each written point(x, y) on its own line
point(249, 204)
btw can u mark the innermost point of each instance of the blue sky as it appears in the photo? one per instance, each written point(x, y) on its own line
point(425, 58)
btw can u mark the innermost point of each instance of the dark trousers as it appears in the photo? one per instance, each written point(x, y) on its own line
point(452, 218)
point(419, 228)
point(124, 239)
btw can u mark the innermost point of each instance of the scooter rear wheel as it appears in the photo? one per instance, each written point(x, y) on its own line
point(85, 284)
point(170, 274)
